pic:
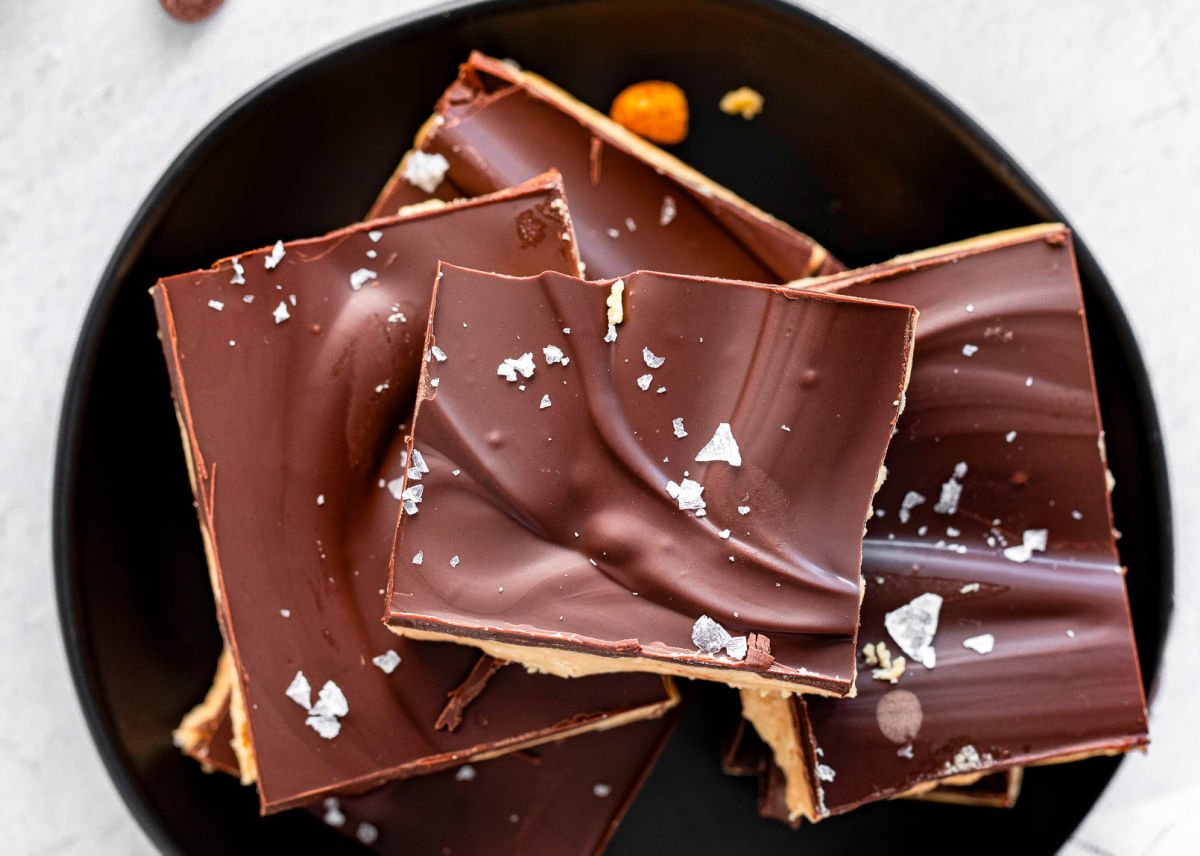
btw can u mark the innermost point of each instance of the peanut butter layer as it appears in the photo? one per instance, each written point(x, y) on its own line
point(991, 567)
point(634, 206)
point(658, 473)
point(294, 370)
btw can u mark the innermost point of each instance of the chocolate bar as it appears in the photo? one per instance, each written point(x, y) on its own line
point(633, 205)
point(294, 370)
point(657, 473)
point(993, 582)
point(564, 797)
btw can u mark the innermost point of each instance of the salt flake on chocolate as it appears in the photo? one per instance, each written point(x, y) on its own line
point(522, 365)
point(216, 304)
point(330, 701)
point(667, 213)
point(951, 491)
point(417, 466)
point(425, 170)
point(970, 350)
point(737, 647)
point(914, 625)
point(299, 691)
point(438, 354)
point(411, 498)
point(981, 644)
point(545, 402)
point(1032, 541)
point(911, 500)
point(722, 447)
point(554, 354)
point(239, 272)
point(387, 661)
point(333, 812)
point(367, 833)
point(677, 427)
point(272, 260)
point(652, 360)
point(281, 313)
point(419, 558)
point(687, 493)
point(361, 277)
point(643, 382)
point(709, 636)
point(375, 235)
point(465, 773)
point(601, 790)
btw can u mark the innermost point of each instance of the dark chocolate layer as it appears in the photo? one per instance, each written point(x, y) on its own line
point(633, 205)
point(294, 407)
point(1002, 382)
point(547, 517)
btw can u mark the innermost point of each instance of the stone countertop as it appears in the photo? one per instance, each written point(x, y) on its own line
point(1100, 101)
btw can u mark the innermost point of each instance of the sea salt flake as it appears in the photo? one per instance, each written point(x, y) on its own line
point(320, 499)
point(1032, 541)
point(545, 402)
point(911, 500)
point(1029, 381)
point(826, 773)
point(914, 625)
point(661, 390)
point(970, 350)
point(951, 491)
point(425, 170)
point(522, 365)
point(281, 313)
point(1077, 515)
point(1010, 436)
point(239, 272)
point(375, 235)
point(743, 510)
point(367, 833)
point(411, 498)
point(611, 335)
point(328, 727)
point(299, 691)
point(724, 534)
point(465, 773)
point(784, 428)
point(272, 259)
point(737, 647)
point(438, 354)
point(419, 558)
point(216, 304)
point(601, 790)
point(722, 447)
point(286, 613)
point(361, 277)
point(709, 636)
point(652, 360)
point(387, 661)
point(687, 493)
point(643, 382)
point(454, 562)
point(330, 701)
point(371, 254)
point(677, 427)
point(965, 760)
point(613, 233)
point(969, 588)
point(981, 644)
point(247, 298)
point(396, 488)
point(667, 212)
point(554, 354)
point(333, 812)
point(951, 532)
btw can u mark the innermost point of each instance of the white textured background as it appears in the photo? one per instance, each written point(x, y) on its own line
point(1099, 99)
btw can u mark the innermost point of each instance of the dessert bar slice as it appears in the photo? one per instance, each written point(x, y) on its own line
point(294, 372)
point(633, 205)
point(995, 626)
point(656, 473)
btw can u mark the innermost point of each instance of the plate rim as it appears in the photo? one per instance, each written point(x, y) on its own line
point(88, 689)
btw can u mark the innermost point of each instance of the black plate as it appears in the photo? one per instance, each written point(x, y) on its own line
point(851, 148)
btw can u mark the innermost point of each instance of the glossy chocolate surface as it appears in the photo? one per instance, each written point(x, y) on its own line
point(295, 426)
point(564, 797)
point(1020, 412)
point(496, 126)
point(559, 530)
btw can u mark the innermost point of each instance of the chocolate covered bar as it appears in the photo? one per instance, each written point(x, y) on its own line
point(633, 205)
point(294, 370)
point(656, 473)
point(565, 797)
point(995, 626)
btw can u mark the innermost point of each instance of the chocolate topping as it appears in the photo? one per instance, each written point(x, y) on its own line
point(293, 371)
point(578, 526)
point(633, 205)
point(466, 692)
point(1059, 675)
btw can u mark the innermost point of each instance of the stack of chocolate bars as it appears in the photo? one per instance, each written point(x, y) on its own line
point(563, 422)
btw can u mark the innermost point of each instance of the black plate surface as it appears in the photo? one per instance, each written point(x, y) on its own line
point(851, 149)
